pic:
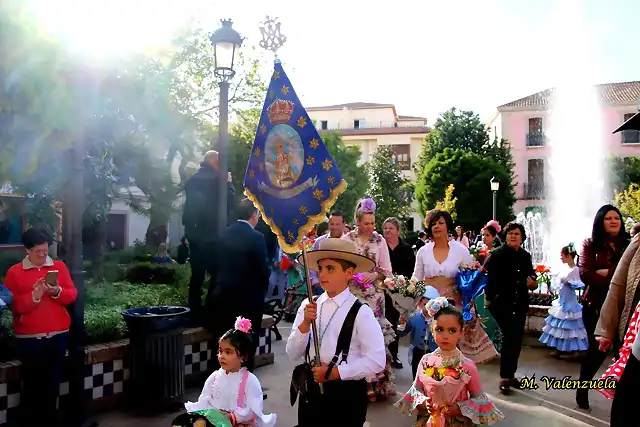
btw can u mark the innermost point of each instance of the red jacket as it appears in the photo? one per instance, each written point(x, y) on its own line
point(47, 315)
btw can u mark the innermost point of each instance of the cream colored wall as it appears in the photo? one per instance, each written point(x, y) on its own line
point(411, 123)
point(343, 119)
point(369, 143)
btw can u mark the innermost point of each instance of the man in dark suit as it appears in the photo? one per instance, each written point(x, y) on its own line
point(199, 220)
point(242, 277)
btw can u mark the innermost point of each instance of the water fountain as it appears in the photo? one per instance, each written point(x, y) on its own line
point(537, 243)
point(575, 135)
point(574, 141)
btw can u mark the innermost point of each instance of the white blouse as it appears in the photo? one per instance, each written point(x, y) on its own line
point(427, 266)
point(221, 391)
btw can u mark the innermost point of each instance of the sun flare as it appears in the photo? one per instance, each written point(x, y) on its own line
point(100, 28)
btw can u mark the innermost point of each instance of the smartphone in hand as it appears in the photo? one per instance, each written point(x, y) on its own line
point(52, 278)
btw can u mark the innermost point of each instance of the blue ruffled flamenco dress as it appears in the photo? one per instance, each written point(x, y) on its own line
point(564, 329)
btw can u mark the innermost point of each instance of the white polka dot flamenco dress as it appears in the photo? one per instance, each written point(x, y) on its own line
point(616, 369)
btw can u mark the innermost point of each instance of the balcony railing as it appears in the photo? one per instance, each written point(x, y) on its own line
point(404, 165)
point(534, 190)
point(536, 139)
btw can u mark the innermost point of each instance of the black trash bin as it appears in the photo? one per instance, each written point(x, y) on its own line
point(156, 353)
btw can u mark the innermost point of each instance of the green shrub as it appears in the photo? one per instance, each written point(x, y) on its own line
point(9, 258)
point(128, 255)
point(148, 272)
point(113, 271)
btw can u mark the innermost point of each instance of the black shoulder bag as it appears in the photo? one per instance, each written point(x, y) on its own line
point(302, 382)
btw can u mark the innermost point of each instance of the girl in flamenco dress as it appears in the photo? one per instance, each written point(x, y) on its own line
point(564, 328)
point(447, 391)
point(231, 396)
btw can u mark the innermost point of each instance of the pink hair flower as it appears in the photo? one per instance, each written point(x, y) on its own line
point(243, 325)
point(495, 225)
point(368, 206)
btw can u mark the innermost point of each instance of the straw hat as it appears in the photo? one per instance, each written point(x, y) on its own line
point(338, 249)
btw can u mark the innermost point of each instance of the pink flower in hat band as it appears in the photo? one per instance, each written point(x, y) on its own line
point(242, 325)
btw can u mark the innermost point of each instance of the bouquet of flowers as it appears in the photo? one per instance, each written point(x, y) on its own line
point(438, 373)
point(544, 277)
point(479, 251)
point(470, 281)
point(443, 383)
point(404, 293)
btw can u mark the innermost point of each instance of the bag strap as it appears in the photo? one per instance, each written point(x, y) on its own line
point(243, 388)
point(344, 339)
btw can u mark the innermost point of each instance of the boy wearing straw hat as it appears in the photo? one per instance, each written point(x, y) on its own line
point(350, 338)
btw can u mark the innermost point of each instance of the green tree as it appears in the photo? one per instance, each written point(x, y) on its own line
point(622, 172)
point(463, 130)
point(388, 187)
point(448, 203)
point(628, 201)
point(347, 158)
point(470, 174)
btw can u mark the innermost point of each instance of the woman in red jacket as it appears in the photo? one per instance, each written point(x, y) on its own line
point(41, 325)
point(598, 260)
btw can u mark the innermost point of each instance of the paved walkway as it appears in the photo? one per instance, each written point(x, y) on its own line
point(522, 409)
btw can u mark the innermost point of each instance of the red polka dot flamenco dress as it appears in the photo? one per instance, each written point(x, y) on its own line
point(616, 369)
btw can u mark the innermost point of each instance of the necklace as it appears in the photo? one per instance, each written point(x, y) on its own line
point(454, 355)
point(321, 332)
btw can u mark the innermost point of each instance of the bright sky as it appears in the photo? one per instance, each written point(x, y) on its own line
point(422, 56)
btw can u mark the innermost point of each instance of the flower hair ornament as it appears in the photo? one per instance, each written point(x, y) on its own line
point(242, 325)
point(367, 206)
point(572, 248)
point(495, 224)
point(435, 305)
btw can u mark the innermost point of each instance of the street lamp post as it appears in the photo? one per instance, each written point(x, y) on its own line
point(495, 186)
point(73, 214)
point(225, 41)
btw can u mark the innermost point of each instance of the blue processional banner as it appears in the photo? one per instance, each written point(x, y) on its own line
point(291, 177)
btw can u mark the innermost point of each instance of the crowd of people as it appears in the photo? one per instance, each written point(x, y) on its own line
point(358, 325)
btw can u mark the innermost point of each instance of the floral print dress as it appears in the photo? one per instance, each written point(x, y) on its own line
point(445, 379)
point(381, 386)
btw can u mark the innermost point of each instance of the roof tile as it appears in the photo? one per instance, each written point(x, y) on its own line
point(610, 94)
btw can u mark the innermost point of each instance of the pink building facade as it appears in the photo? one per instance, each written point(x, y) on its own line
point(523, 121)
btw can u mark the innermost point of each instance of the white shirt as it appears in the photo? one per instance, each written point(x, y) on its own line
point(367, 354)
point(427, 266)
point(221, 392)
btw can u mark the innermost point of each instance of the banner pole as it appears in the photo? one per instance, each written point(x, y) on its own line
point(314, 327)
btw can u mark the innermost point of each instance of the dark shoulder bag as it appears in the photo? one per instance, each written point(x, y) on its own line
point(302, 382)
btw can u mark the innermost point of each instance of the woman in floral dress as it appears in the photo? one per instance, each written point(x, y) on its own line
point(437, 263)
point(372, 245)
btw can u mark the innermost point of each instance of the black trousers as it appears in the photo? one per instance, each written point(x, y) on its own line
point(42, 361)
point(393, 316)
point(343, 404)
point(222, 316)
point(512, 326)
point(594, 357)
point(622, 413)
point(415, 359)
point(202, 261)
